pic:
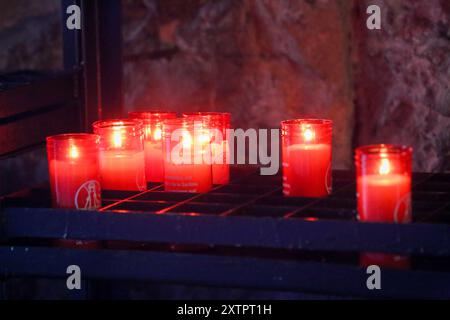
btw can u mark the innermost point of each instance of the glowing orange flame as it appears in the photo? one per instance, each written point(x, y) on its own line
point(157, 135)
point(385, 167)
point(73, 152)
point(187, 140)
point(308, 134)
point(117, 139)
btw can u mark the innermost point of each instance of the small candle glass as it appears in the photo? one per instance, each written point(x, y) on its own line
point(218, 123)
point(187, 156)
point(152, 123)
point(74, 171)
point(383, 178)
point(383, 182)
point(306, 154)
point(122, 163)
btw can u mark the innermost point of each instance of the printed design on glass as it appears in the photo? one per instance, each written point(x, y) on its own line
point(402, 213)
point(88, 196)
point(141, 182)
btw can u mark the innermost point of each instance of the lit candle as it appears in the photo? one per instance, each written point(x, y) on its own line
point(122, 163)
point(187, 156)
point(306, 153)
point(384, 193)
point(74, 171)
point(384, 183)
point(152, 122)
point(74, 177)
point(218, 123)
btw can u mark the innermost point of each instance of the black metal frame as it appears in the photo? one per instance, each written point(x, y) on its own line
point(245, 234)
point(36, 105)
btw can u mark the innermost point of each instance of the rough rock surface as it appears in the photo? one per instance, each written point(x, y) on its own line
point(402, 77)
point(30, 35)
point(265, 61)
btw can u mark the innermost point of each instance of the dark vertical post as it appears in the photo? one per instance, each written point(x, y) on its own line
point(95, 51)
point(110, 51)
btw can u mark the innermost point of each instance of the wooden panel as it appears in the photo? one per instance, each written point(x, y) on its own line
point(32, 130)
point(35, 95)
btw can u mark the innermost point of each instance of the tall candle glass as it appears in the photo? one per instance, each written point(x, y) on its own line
point(74, 171)
point(306, 154)
point(187, 156)
point(152, 124)
point(122, 161)
point(74, 174)
point(218, 123)
point(383, 178)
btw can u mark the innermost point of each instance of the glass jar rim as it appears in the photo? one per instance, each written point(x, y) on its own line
point(111, 123)
point(151, 114)
point(378, 149)
point(311, 121)
point(207, 114)
point(73, 137)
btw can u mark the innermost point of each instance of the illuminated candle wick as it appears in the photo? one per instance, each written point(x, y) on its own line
point(385, 167)
point(187, 140)
point(73, 153)
point(308, 134)
point(157, 135)
point(117, 139)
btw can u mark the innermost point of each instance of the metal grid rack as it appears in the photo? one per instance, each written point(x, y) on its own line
point(244, 234)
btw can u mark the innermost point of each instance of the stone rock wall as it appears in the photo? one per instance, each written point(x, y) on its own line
point(269, 60)
point(402, 78)
point(264, 61)
point(30, 35)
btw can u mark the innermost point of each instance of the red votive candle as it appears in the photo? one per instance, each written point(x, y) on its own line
point(306, 154)
point(383, 177)
point(122, 164)
point(152, 124)
point(218, 123)
point(187, 156)
point(74, 177)
point(74, 171)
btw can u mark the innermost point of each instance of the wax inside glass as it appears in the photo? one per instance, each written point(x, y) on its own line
point(217, 123)
point(187, 156)
point(152, 125)
point(306, 157)
point(383, 178)
point(122, 159)
point(74, 171)
point(383, 183)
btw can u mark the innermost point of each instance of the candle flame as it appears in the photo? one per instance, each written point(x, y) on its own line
point(204, 138)
point(157, 135)
point(385, 167)
point(117, 139)
point(187, 140)
point(308, 134)
point(73, 152)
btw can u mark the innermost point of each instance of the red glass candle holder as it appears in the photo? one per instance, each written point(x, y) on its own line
point(152, 124)
point(187, 156)
point(306, 154)
point(383, 178)
point(74, 174)
point(122, 162)
point(74, 171)
point(218, 123)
